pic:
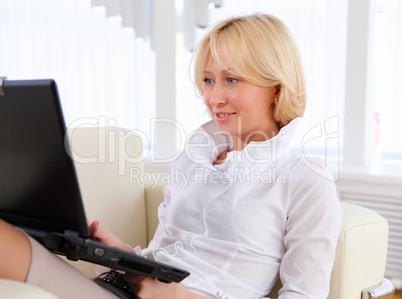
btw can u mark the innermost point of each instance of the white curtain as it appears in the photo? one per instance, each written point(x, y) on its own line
point(103, 74)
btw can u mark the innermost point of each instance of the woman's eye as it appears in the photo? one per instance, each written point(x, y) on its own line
point(231, 80)
point(208, 81)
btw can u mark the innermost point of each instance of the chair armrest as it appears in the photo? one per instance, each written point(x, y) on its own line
point(360, 255)
point(383, 291)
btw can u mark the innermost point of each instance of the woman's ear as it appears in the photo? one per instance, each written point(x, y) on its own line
point(278, 89)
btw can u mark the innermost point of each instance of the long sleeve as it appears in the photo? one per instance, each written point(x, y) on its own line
point(162, 210)
point(313, 226)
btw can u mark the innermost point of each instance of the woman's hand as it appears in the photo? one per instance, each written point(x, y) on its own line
point(151, 288)
point(104, 236)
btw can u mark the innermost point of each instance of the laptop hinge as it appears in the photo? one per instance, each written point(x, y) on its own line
point(71, 234)
point(2, 90)
point(73, 245)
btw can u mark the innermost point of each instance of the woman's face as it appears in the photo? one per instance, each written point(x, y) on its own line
point(240, 109)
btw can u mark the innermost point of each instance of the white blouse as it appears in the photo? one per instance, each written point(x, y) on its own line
point(238, 225)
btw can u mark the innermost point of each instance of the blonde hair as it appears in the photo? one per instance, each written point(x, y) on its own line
point(261, 50)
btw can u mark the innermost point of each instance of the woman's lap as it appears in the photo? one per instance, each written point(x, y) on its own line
point(51, 273)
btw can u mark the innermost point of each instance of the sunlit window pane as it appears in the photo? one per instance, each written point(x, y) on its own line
point(387, 82)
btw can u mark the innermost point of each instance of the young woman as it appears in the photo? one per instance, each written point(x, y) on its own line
point(250, 212)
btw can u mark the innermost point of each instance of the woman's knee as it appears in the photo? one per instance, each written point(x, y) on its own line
point(15, 253)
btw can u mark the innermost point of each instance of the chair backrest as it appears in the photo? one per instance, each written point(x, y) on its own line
point(111, 158)
point(360, 254)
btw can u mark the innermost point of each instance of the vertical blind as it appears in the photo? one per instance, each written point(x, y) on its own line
point(103, 73)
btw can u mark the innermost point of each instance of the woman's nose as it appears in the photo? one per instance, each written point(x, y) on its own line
point(218, 96)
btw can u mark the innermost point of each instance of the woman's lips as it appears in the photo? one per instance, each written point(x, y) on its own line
point(224, 116)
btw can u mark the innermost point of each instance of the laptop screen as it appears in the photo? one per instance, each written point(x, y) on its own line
point(38, 184)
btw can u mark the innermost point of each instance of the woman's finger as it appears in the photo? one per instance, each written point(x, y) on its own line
point(132, 278)
point(93, 228)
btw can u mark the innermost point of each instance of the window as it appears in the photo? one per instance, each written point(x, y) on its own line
point(387, 78)
point(105, 75)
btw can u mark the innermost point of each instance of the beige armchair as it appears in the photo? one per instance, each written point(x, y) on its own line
point(118, 193)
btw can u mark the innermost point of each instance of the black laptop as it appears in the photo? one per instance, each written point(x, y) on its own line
point(39, 190)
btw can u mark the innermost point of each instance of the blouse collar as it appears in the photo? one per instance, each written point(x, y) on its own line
point(206, 144)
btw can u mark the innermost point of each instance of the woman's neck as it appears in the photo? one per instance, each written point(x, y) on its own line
point(240, 143)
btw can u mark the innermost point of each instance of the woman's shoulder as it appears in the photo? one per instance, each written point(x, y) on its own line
point(312, 184)
point(307, 168)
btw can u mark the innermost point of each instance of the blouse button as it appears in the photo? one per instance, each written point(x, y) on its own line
point(200, 216)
